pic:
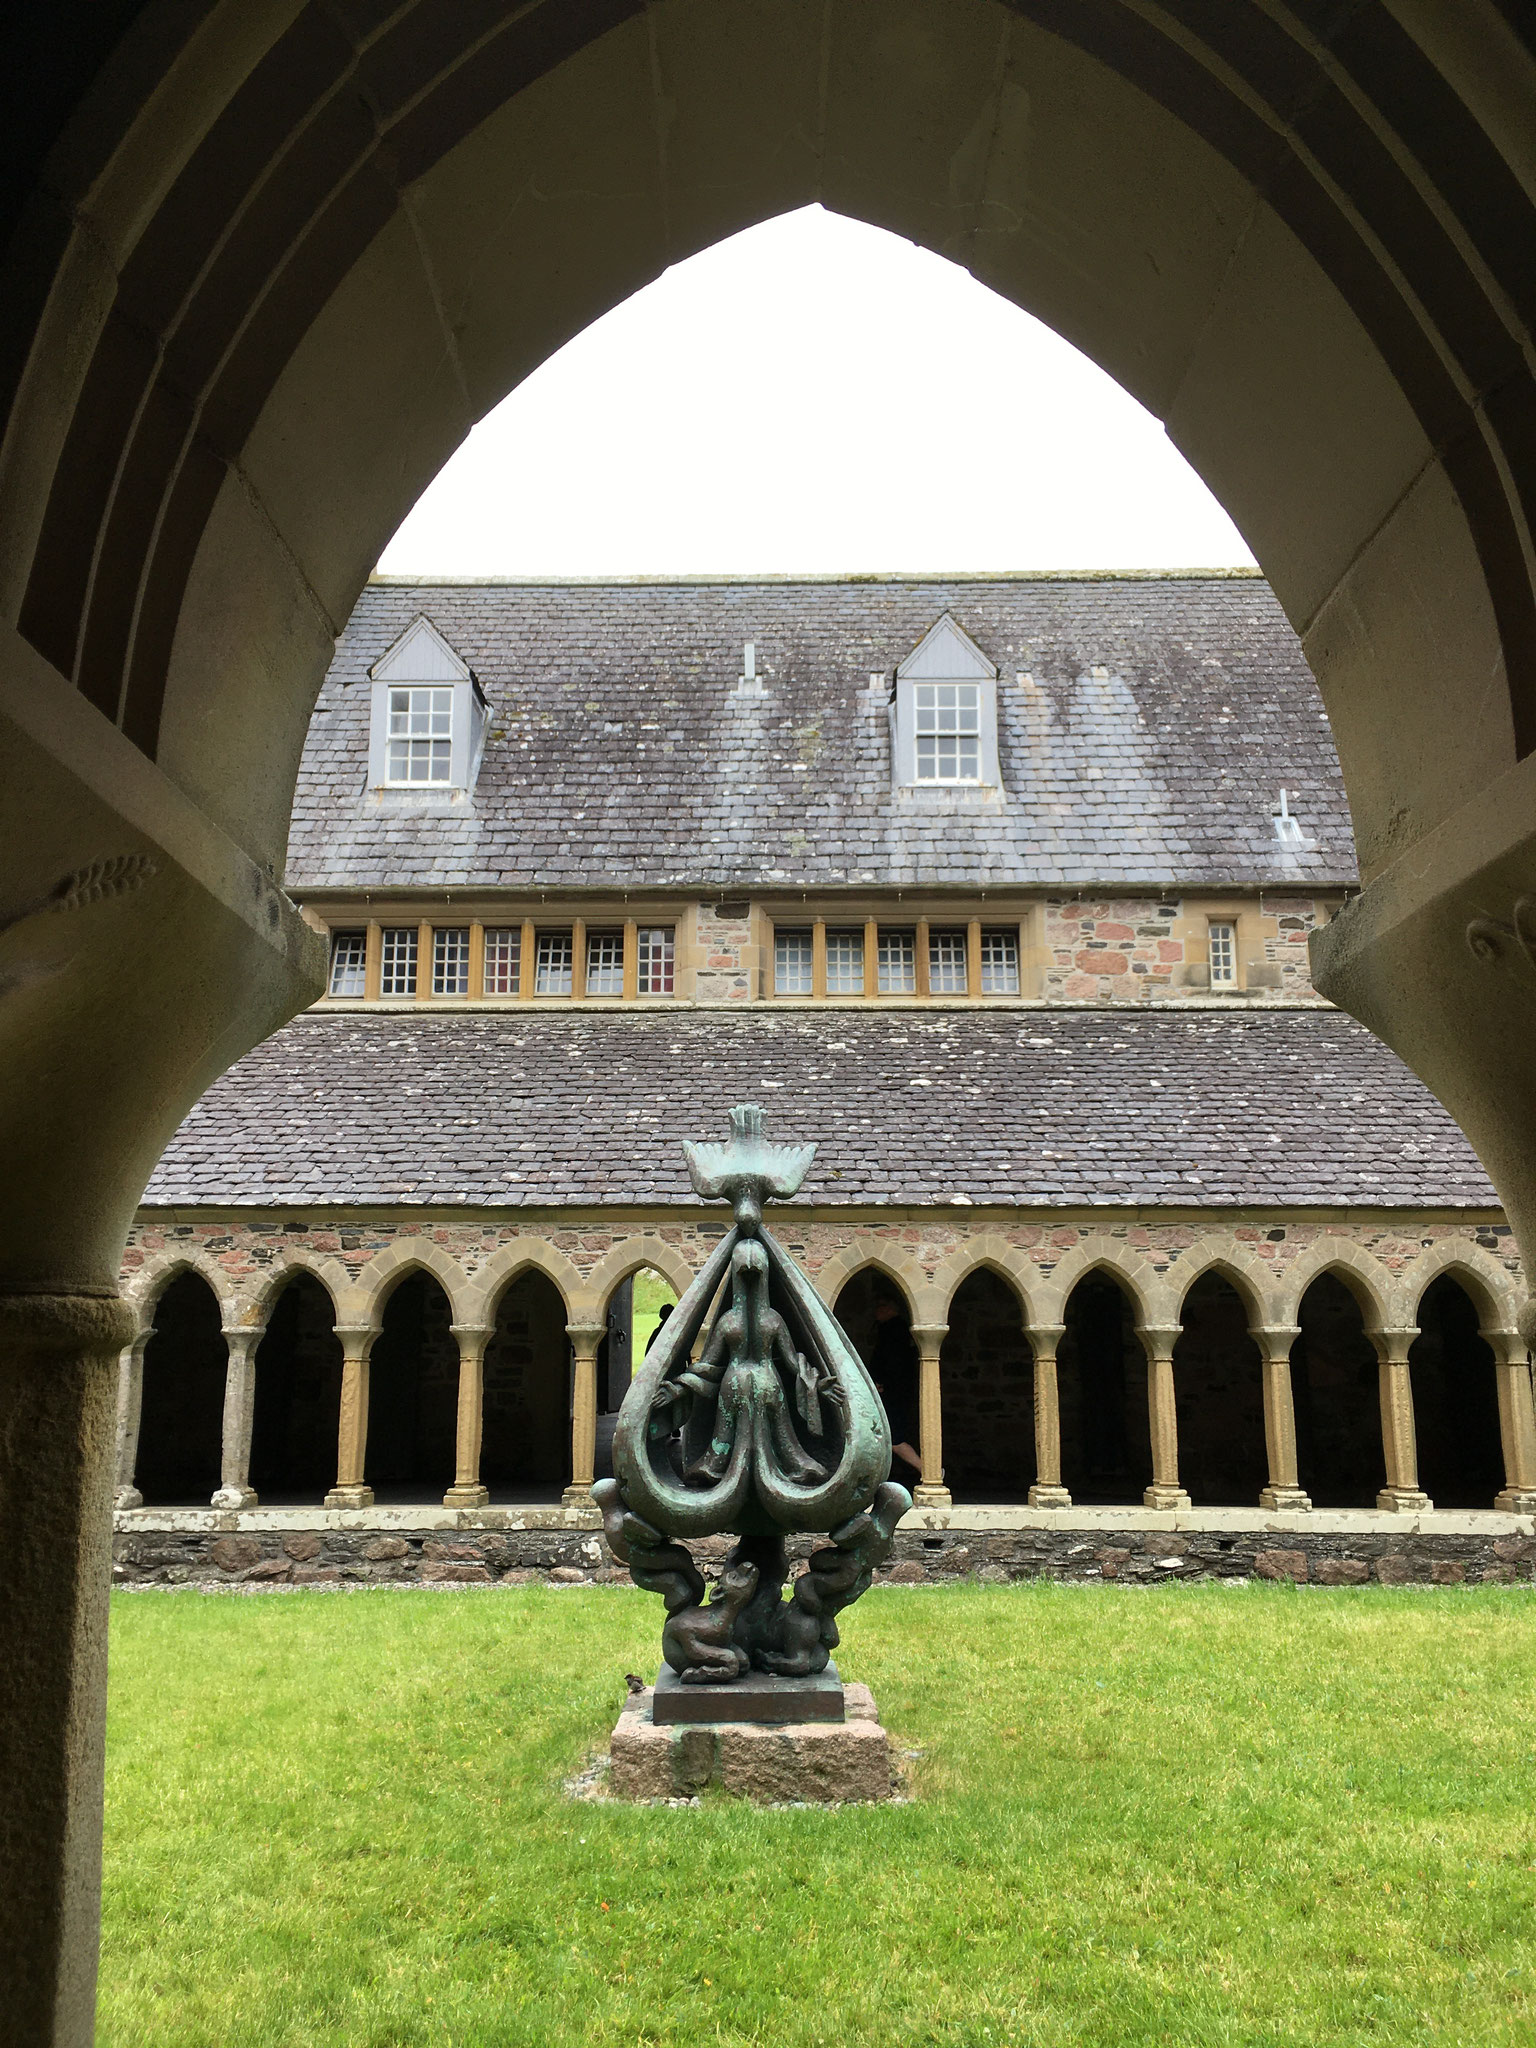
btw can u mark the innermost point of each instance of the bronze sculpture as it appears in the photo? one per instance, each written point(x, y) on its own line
point(776, 1429)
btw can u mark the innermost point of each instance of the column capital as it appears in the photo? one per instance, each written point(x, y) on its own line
point(356, 1339)
point(596, 1332)
point(244, 1338)
point(1275, 1339)
point(1040, 1334)
point(1160, 1338)
point(930, 1333)
point(44, 1325)
point(1393, 1345)
point(473, 1333)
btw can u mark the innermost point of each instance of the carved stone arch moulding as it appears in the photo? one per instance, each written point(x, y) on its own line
point(634, 1255)
point(1497, 1296)
point(153, 1278)
point(508, 1262)
point(988, 1251)
point(903, 1271)
point(1368, 1280)
point(1129, 1270)
point(1218, 1252)
point(368, 1294)
point(258, 1301)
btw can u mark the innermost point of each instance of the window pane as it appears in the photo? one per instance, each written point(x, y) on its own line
point(947, 725)
point(420, 746)
point(1223, 956)
point(450, 960)
point(792, 963)
point(946, 963)
point(605, 963)
point(656, 961)
point(999, 963)
point(503, 949)
point(898, 964)
point(397, 960)
point(349, 958)
point(845, 963)
point(552, 976)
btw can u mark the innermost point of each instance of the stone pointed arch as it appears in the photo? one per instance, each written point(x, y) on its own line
point(1219, 1252)
point(1496, 1294)
point(363, 1305)
point(1367, 1279)
point(988, 1250)
point(522, 1255)
point(155, 1275)
point(633, 1255)
point(260, 1297)
point(1129, 1270)
point(899, 1267)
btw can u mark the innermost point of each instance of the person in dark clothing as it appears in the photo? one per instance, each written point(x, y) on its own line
point(661, 1322)
point(893, 1366)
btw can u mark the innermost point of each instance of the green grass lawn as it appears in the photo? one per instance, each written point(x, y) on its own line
point(1195, 1815)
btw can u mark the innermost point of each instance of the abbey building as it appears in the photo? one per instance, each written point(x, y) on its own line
point(999, 889)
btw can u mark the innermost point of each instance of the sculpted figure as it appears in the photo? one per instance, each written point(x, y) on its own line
point(775, 1428)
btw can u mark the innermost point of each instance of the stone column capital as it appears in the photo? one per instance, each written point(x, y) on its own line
point(1393, 1345)
point(244, 1338)
point(586, 1337)
point(473, 1336)
point(356, 1339)
point(1275, 1340)
point(930, 1334)
point(1160, 1338)
point(1045, 1336)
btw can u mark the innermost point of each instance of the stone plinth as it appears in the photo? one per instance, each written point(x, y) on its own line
point(825, 1761)
point(755, 1696)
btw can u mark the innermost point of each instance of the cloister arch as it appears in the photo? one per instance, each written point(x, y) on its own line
point(1365, 1277)
point(524, 1254)
point(1453, 1371)
point(1128, 1270)
point(413, 1384)
point(159, 1272)
point(296, 1392)
point(631, 1256)
point(1218, 1387)
point(987, 1377)
point(182, 1401)
point(257, 1302)
point(1335, 1368)
point(1476, 1271)
point(1249, 1277)
point(1102, 1367)
point(369, 1294)
point(904, 1276)
point(987, 1250)
point(263, 270)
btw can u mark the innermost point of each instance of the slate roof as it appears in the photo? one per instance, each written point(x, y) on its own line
point(1031, 1107)
point(618, 749)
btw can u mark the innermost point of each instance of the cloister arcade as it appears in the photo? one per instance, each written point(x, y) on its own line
point(1216, 1383)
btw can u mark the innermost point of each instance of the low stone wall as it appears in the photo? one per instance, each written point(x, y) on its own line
point(435, 1547)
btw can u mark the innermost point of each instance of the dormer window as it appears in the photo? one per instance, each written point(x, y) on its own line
point(428, 725)
point(946, 713)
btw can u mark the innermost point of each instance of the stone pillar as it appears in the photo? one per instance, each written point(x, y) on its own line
point(466, 1490)
point(239, 1410)
point(585, 1338)
point(930, 1491)
point(351, 1490)
point(1165, 1490)
point(1284, 1490)
point(1517, 1421)
point(1402, 1493)
point(1047, 1491)
point(130, 1403)
point(59, 1375)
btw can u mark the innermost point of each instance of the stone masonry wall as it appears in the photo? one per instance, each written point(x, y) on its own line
point(1140, 949)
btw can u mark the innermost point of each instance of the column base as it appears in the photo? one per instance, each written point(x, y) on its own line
point(467, 1497)
point(1516, 1500)
point(577, 1496)
point(127, 1497)
point(1159, 1496)
point(1285, 1500)
point(1049, 1497)
point(350, 1497)
point(932, 1496)
point(234, 1497)
point(1403, 1500)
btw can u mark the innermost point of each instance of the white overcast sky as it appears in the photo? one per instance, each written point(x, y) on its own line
point(814, 395)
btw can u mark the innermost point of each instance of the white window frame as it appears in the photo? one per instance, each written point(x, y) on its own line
point(398, 958)
point(655, 960)
point(450, 960)
point(418, 744)
point(503, 959)
point(845, 963)
point(946, 689)
point(793, 962)
point(349, 963)
point(896, 963)
point(999, 963)
point(1221, 952)
point(553, 956)
point(422, 661)
point(948, 964)
point(946, 732)
point(605, 963)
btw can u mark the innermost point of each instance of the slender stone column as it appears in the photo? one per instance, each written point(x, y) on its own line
point(351, 1490)
point(130, 1405)
point(1284, 1490)
point(1163, 1417)
point(1047, 1491)
point(1402, 1493)
point(466, 1490)
point(59, 1374)
point(1517, 1421)
point(585, 1338)
point(930, 1491)
point(239, 1411)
